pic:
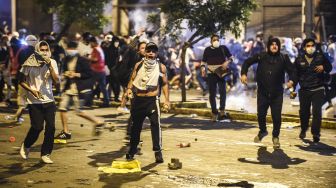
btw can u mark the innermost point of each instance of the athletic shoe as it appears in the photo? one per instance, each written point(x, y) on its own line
point(214, 117)
point(260, 136)
point(129, 157)
point(276, 143)
point(46, 159)
point(158, 157)
point(316, 139)
point(302, 135)
point(63, 136)
point(20, 120)
point(24, 152)
point(123, 110)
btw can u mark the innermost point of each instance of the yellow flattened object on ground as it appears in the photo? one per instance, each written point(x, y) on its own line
point(122, 167)
point(60, 141)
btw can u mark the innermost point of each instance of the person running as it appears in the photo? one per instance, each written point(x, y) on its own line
point(311, 67)
point(145, 85)
point(272, 66)
point(78, 76)
point(37, 76)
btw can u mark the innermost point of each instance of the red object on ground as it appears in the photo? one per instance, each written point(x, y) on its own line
point(12, 139)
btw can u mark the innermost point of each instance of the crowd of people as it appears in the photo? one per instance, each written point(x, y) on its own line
point(81, 67)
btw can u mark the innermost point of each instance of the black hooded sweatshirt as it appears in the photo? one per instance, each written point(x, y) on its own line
point(271, 70)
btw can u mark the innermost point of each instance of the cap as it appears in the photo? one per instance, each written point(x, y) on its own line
point(151, 46)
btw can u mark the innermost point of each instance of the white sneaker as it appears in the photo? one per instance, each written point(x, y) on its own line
point(24, 151)
point(123, 110)
point(46, 159)
point(20, 120)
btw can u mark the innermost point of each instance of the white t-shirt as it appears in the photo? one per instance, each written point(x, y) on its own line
point(39, 79)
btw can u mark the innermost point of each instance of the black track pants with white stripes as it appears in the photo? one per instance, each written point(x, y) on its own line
point(143, 107)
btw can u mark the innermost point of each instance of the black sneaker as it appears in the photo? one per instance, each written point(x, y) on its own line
point(260, 136)
point(276, 143)
point(63, 135)
point(158, 157)
point(302, 135)
point(129, 157)
point(316, 139)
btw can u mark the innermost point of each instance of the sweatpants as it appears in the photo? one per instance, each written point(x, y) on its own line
point(315, 99)
point(143, 107)
point(265, 101)
point(41, 115)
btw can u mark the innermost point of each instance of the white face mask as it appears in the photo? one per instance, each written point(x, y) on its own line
point(151, 61)
point(116, 44)
point(215, 44)
point(310, 50)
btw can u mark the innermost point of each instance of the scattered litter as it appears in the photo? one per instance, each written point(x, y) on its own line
point(30, 181)
point(193, 115)
point(12, 139)
point(122, 167)
point(225, 120)
point(111, 128)
point(243, 110)
point(90, 151)
point(289, 127)
point(174, 164)
point(16, 147)
point(184, 145)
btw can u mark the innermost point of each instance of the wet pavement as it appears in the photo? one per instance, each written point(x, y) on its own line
point(220, 154)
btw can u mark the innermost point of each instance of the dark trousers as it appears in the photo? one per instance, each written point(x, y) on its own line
point(143, 107)
point(100, 78)
point(264, 101)
point(40, 115)
point(114, 86)
point(213, 81)
point(315, 99)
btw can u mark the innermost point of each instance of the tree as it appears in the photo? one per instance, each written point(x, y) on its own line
point(204, 18)
point(87, 13)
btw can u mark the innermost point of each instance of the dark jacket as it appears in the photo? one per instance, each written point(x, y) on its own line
point(307, 76)
point(271, 72)
point(83, 67)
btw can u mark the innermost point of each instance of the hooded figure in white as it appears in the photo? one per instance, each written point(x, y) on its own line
point(38, 75)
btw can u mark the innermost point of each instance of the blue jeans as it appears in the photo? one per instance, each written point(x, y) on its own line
point(100, 78)
point(201, 80)
point(213, 81)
